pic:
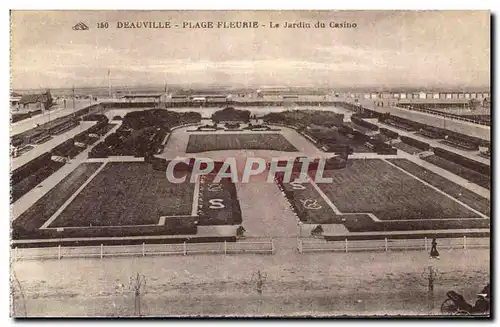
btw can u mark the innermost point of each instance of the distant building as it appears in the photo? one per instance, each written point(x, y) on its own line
point(434, 103)
point(36, 101)
point(272, 91)
point(143, 98)
point(14, 100)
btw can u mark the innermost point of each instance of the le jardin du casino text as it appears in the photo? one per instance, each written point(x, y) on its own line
point(227, 24)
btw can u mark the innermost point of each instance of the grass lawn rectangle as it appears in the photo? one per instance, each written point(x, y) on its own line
point(374, 186)
point(27, 184)
point(212, 142)
point(310, 208)
point(130, 193)
point(28, 223)
point(464, 172)
point(460, 193)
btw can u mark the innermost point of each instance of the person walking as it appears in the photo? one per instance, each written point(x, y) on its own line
point(434, 252)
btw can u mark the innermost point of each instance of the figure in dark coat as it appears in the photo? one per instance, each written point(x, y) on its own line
point(434, 251)
point(240, 231)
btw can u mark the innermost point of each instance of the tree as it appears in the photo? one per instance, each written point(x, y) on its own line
point(138, 286)
point(47, 100)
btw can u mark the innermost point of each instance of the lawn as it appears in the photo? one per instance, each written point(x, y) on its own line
point(310, 207)
point(28, 223)
point(129, 193)
point(464, 195)
point(374, 186)
point(27, 184)
point(464, 172)
point(212, 142)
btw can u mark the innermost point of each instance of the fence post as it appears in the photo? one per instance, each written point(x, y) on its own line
point(346, 245)
point(59, 252)
point(185, 249)
point(465, 242)
point(102, 250)
point(143, 249)
point(299, 245)
point(225, 247)
point(272, 246)
point(385, 244)
point(425, 242)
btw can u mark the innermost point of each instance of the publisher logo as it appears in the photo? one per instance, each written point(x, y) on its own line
point(80, 27)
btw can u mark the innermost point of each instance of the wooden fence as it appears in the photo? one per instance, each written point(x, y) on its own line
point(102, 251)
point(318, 245)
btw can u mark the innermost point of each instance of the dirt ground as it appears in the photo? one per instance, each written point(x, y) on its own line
point(296, 284)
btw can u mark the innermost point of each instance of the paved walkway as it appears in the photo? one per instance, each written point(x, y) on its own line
point(178, 141)
point(473, 155)
point(459, 126)
point(116, 159)
point(27, 200)
point(445, 173)
point(26, 124)
point(39, 149)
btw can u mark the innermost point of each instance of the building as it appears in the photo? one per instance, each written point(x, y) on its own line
point(143, 98)
point(14, 100)
point(434, 103)
point(273, 91)
point(36, 101)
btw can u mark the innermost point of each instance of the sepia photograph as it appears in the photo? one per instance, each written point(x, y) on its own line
point(250, 163)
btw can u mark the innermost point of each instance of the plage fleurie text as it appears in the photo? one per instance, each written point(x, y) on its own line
point(230, 24)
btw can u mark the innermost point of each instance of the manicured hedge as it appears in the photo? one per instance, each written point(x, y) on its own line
point(100, 150)
point(463, 161)
point(30, 168)
point(28, 183)
point(25, 115)
point(433, 132)
point(63, 126)
point(355, 119)
point(389, 133)
point(92, 117)
point(416, 143)
point(339, 148)
point(66, 149)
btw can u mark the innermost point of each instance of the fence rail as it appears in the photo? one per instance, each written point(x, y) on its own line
point(102, 251)
point(304, 246)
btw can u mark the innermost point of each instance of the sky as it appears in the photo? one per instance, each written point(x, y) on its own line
point(386, 49)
